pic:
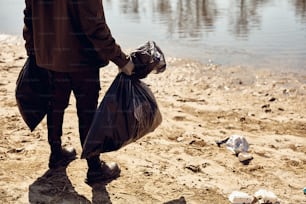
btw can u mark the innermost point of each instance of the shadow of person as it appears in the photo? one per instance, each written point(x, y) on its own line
point(54, 187)
point(100, 194)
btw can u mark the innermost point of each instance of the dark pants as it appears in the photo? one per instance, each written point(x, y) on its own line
point(85, 87)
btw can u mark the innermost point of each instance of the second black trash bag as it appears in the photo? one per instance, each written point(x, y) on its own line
point(32, 93)
point(127, 112)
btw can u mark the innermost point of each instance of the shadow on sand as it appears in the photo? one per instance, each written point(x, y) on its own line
point(54, 186)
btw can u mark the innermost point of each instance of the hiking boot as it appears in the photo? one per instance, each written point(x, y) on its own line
point(104, 173)
point(62, 158)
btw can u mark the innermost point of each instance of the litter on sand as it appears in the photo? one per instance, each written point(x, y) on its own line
point(238, 197)
point(263, 196)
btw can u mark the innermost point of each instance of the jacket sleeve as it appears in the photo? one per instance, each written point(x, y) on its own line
point(92, 20)
point(27, 29)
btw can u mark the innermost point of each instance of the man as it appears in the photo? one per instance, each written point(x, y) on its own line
point(70, 38)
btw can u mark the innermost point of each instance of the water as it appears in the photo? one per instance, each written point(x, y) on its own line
point(257, 33)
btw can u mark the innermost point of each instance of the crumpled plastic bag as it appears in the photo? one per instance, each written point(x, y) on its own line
point(148, 58)
point(32, 93)
point(127, 112)
point(237, 144)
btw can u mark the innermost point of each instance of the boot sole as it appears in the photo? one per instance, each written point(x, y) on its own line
point(101, 179)
point(62, 163)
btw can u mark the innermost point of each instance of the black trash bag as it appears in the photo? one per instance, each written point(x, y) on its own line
point(148, 58)
point(32, 93)
point(127, 112)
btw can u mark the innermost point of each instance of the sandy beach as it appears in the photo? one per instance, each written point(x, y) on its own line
point(180, 161)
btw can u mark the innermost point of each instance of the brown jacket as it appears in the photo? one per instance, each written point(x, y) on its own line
point(69, 35)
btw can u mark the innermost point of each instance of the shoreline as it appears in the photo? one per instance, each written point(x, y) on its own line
point(18, 39)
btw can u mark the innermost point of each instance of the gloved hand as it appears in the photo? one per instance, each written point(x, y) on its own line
point(128, 68)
